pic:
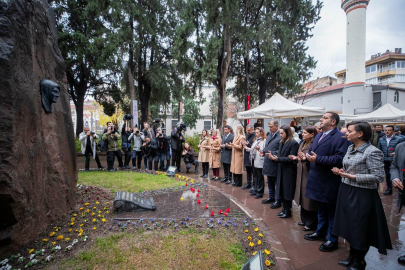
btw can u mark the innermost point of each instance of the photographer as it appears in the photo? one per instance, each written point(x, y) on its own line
point(126, 144)
point(150, 151)
point(147, 131)
point(88, 144)
point(146, 149)
point(109, 124)
point(137, 139)
point(188, 155)
point(177, 145)
point(163, 148)
point(112, 137)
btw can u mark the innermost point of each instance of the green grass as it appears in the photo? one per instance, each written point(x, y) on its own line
point(196, 250)
point(126, 181)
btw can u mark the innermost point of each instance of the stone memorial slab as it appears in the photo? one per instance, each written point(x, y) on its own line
point(130, 202)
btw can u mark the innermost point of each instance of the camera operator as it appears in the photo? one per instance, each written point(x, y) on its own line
point(89, 146)
point(109, 124)
point(112, 137)
point(177, 146)
point(147, 131)
point(137, 139)
point(126, 144)
point(163, 147)
point(150, 151)
point(188, 154)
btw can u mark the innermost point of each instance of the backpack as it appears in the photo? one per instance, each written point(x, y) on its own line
point(102, 145)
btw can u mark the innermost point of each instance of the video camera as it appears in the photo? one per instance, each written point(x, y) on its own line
point(128, 117)
point(181, 126)
point(158, 122)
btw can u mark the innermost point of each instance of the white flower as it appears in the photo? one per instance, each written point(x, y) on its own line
point(85, 238)
point(4, 262)
point(5, 266)
point(69, 247)
point(57, 247)
point(21, 259)
point(42, 250)
point(75, 241)
point(48, 259)
point(32, 256)
point(34, 261)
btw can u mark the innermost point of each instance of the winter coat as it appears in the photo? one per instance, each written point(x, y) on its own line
point(246, 154)
point(204, 154)
point(189, 156)
point(215, 152)
point(302, 178)
point(93, 143)
point(137, 141)
point(287, 170)
point(270, 167)
point(388, 149)
point(176, 143)
point(237, 155)
point(226, 153)
point(112, 140)
point(255, 154)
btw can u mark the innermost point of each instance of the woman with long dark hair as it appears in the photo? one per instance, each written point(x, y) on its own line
point(360, 217)
point(309, 209)
point(204, 154)
point(287, 170)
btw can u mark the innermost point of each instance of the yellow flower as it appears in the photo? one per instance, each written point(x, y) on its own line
point(92, 214)
point(52, 234)
point(67, 239)
point(70, 230)
point(56, 229)
point(107, 202)
point(81, 225)
point(249, 238)
point(99, 216)
point(88, 210)
point(251, 244)
point(94, 207)
point(267, 252)
point(94, 228)
point(72, 223)
point(60, 237)
point(44, 240)
point(72, 219)
point(104, 220)
point(261, 235)
point(74, 215)
point(53, 243)
point(81, 230)
point(99, 212)
point(246, 231)
point(254, 253)
point(267, 262)
point(97, 202)
point(80, 234)
point(181, 199)
point(256, 229)
point(106, 212)
point(259, 242)
point(81, 209)
point(31, 250)
point(76, 230)
point(105, 207)
point(86, 204)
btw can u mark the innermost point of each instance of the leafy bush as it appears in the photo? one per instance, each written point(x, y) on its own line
point(193, 141)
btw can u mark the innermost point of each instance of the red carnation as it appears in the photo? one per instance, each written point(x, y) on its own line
point(225, 214)
point(220, 211)
point(403, 170)
point(186, 184)
point(227, 210)
point(198, 190)
point(206, 206)
point(198, 195)
point(391, 149)
point(199, 201)
point(212, 213)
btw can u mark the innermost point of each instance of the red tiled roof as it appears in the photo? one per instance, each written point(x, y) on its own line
point(321, 90)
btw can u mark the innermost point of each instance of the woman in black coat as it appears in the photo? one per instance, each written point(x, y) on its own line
point(287, 170)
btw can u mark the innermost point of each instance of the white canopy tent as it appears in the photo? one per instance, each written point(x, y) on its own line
point(280, 107)
point(387, 114)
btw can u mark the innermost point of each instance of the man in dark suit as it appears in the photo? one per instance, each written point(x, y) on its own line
point(250, 136)
point(326, 152)
point(226, 154)
point(270, 167)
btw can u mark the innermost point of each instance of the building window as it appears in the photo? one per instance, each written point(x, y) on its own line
point(391, 66)
point(341, 100)
point(371, 69)
point(396, 97)
point(372, 81)
point(399, 78)
point(400, 64)
point(207, 125)
point(174, 124)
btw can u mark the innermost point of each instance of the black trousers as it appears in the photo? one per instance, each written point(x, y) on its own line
point(89, 154)
point(128, 155)
point(155, 160)
point(137, 159)
point(176, 158)
point(195, 163)
point(205, 168)
point(387, 165)
point(287, 204)
point(259, 183)
point(249, 171)
point(309, 218)
point(237, 179)
point(227, 171)
point(111, 158)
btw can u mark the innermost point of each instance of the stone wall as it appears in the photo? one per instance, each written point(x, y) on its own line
point(38, 171)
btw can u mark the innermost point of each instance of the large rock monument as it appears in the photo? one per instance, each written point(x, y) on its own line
point(38, 171)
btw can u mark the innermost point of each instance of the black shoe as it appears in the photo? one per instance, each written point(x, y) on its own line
point(349, 260)
point(127, 167)
point(180, 170)
point(388, 191)
point(202, 175)
point(253, 194)
point(357, 265)
point(301, 223)
point(246, 187)
point(196, 172)
point(111, 170)
point(268, 201)
point(233, 184)
point(212, 178)
point(188, 171)
point(252, 189)
point(86, 170)
point(281, 213)
point(307, 229)
point(287, 214)
point(258, 196)
point(205, 176)
point(224, 180)
point(401, 259)
point(216, 179)
point(314, 236)
point(275, 205)
point(100, 167)
point(228, 182)
point(328, 246)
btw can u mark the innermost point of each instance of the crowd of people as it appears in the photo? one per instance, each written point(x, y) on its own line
point(332, 174)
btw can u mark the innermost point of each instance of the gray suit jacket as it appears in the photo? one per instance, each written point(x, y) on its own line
point(270, 167)
point(226, 153)
point(398, 164)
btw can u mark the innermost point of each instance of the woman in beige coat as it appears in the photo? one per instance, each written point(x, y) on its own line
point(214, 146)
point(204, 154)
point(237, 156)
point(309, 210)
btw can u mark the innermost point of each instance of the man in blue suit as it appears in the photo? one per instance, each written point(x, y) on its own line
point(326, 152)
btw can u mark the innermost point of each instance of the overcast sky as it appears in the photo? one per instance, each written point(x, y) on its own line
point(385, 30)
